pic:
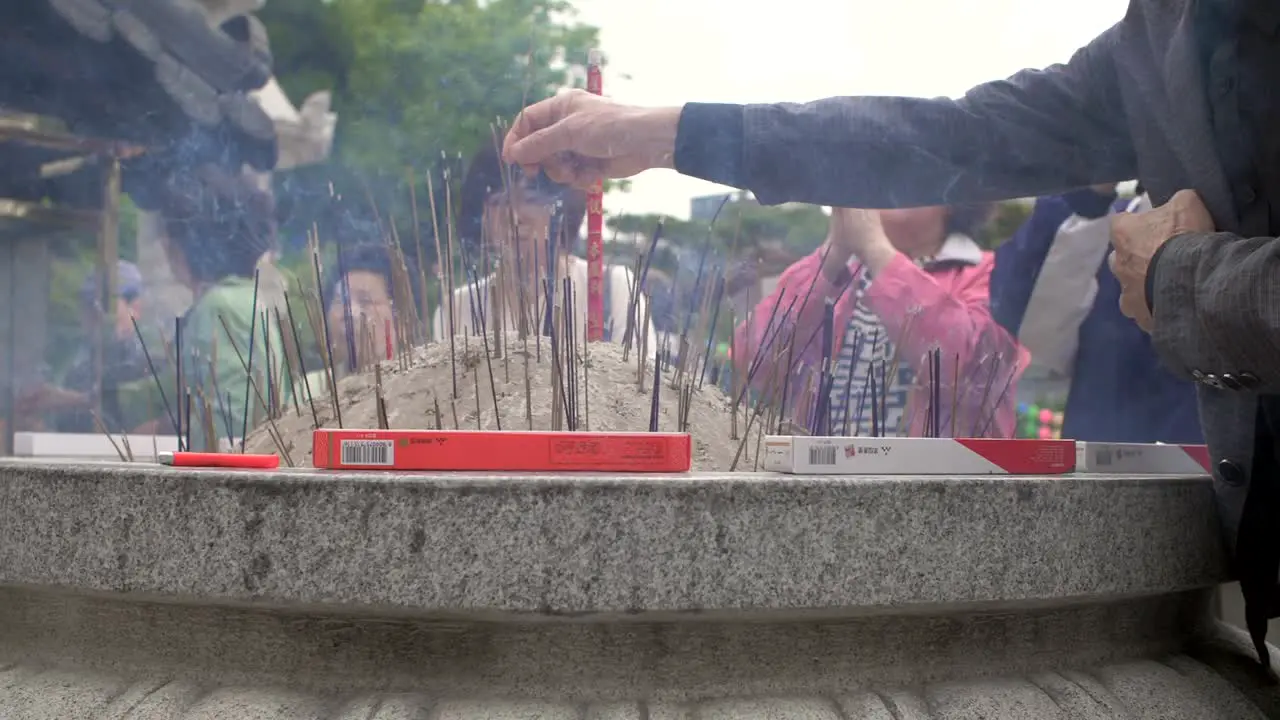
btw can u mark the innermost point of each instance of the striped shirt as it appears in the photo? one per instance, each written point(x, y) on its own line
point(866, 349)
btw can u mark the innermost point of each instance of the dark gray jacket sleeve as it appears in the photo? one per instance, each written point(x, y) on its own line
point(1216, 305)
point(1038, 132)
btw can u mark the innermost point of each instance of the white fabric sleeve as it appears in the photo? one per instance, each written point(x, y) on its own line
point(1064, 292)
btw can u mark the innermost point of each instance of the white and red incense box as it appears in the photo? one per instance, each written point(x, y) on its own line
point(799, 455)
point(1142, 458)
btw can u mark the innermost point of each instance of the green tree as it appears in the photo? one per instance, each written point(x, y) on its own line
point(798, 228)
point(675, 230)
point(413, 80)
point(1005, 221)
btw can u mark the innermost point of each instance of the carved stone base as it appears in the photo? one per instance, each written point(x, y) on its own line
point(64, 656)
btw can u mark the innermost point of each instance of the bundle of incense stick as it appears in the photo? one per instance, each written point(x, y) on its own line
point(955, 401)
point(493, 286)
point(533, 308)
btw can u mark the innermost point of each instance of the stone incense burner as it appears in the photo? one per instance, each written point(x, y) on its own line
point(144, 593)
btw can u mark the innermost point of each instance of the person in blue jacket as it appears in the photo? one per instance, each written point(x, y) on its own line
point(1052, 289)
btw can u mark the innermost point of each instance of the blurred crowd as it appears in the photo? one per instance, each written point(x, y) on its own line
point(896, 307)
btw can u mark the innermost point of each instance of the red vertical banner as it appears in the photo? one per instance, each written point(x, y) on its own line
point(595, 228)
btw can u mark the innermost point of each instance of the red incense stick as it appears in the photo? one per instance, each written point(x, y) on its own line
point(595, 226)
point(220, 460)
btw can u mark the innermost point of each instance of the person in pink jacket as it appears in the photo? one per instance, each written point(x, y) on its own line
point(908, 291)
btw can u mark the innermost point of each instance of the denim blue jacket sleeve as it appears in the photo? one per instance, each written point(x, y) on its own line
point(1038, 132)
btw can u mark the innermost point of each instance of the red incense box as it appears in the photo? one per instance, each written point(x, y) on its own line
point(501, 451)
point(917, 456)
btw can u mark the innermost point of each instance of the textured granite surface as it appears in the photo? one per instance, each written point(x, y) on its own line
point(131, 592)
point(580, 546)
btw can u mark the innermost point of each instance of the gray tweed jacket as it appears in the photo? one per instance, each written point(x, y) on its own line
point(1132, 103)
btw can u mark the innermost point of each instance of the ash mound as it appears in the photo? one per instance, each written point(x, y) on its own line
point(609, 397)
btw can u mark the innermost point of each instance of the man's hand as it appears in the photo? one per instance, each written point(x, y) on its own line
point(1136, 238)
point(580, 139)
point(857, 234)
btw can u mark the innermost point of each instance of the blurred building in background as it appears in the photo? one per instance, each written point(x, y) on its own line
point(704, 207)
point(102, 99)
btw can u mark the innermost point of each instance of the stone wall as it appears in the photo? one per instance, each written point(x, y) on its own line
point(130, 591)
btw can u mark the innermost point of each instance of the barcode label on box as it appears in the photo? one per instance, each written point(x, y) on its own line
point(369, 452)
point(822, 455)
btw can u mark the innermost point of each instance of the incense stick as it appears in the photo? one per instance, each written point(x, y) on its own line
point(302, 364)
point(253, 323)
point(828, 345)
point(570, 348)
point(767, 339)
point(875, 405)
point(484, 336)
point(986, 391)
point(942, 421)
point(102, 428)
point(348, 319)
point(380, 404)
point(523, 321)
point(657, 390)
point(271, 423)
point(639, 288)
point(995, 407)
point(330, 371)
point(177, 351)
point(857, 428)
point(766, 400)
point(716, 300)
point(293, 358)
point(270, 375)
point(697, 288)
point(422, 263)
point(146, 354)
point(448, 209)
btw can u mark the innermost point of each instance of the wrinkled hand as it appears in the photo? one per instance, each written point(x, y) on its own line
point(580, 139)
point(858, 234)
point(1137, 236)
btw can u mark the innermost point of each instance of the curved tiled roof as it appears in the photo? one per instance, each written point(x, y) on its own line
point(151, 72)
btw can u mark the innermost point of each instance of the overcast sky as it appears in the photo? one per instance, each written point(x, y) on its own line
point(666, 52)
